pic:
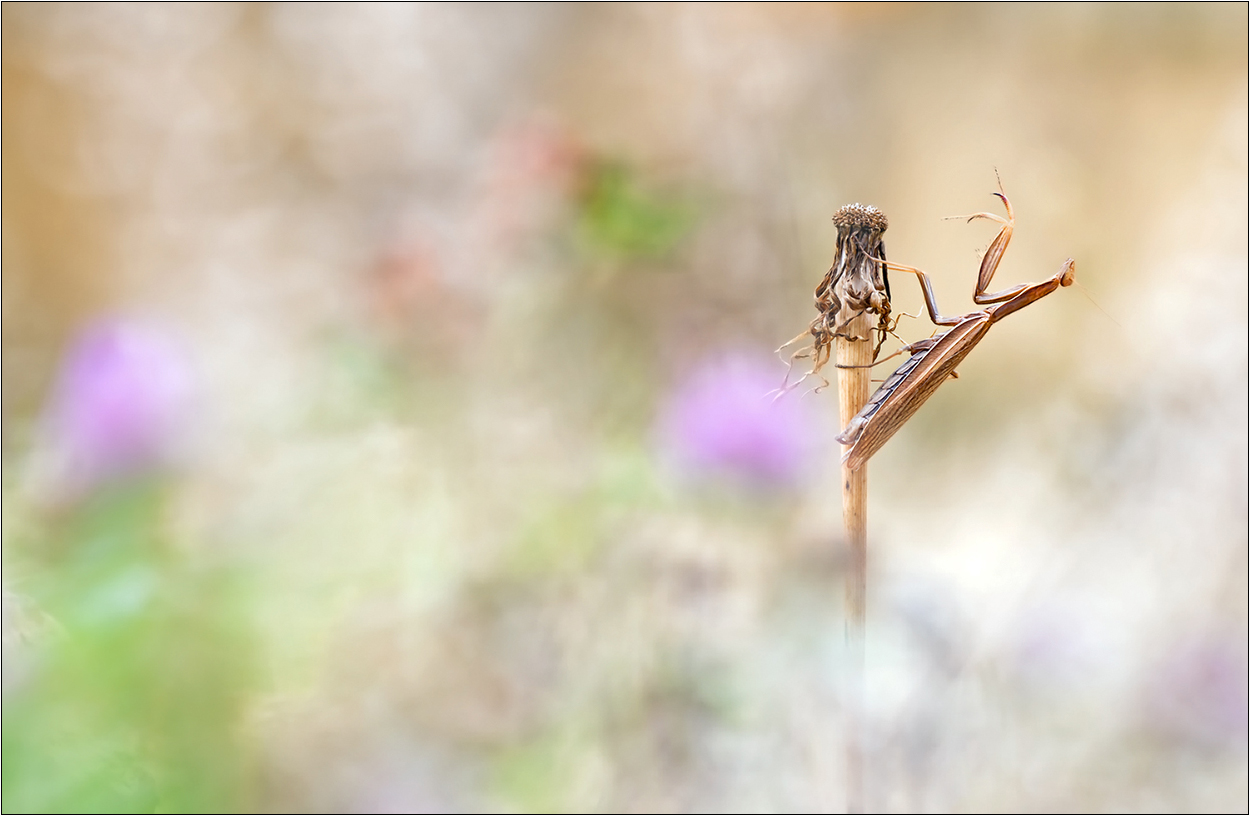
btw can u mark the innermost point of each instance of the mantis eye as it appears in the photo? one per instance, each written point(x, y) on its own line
point(1068, 276)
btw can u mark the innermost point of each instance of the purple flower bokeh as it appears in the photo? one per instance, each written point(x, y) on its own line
point(722, 421)
point(1198, 691)
point(119, 406)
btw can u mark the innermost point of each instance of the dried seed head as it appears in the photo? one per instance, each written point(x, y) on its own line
point(860, 216)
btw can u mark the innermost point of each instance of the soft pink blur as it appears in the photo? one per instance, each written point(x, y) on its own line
point(120, 405)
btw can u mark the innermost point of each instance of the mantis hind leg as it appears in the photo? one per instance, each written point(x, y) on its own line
point(910, 348)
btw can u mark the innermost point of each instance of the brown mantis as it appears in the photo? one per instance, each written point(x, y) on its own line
point(934, 359)
point(859, 271)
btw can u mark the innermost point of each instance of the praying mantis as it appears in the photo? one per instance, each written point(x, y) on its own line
point(933, 360)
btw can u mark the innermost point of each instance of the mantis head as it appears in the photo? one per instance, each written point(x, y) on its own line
point(1067, 275)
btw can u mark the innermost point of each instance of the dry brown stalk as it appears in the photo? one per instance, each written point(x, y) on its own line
point(852, 301)
point(862, 290)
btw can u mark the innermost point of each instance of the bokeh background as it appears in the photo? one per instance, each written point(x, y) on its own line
point(386, 415)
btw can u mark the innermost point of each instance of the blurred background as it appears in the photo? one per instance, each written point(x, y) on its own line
point(386, 421)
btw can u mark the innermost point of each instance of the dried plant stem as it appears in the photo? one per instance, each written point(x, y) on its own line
point(853, 301)
point(853, 389)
